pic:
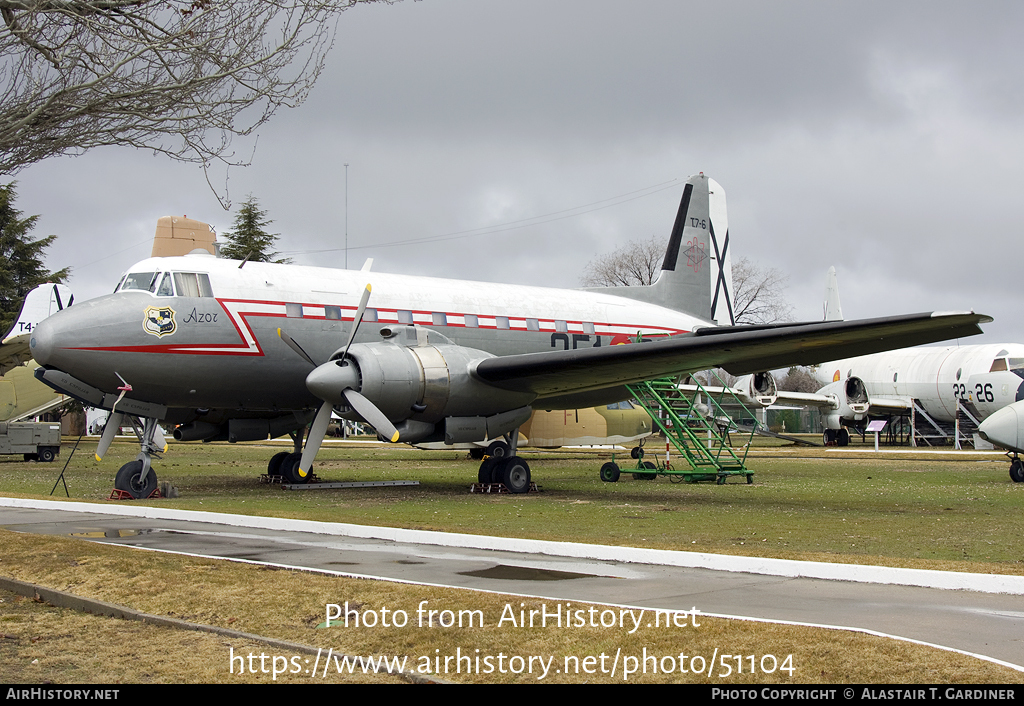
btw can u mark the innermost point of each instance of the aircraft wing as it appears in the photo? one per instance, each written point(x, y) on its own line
point(738, 349)
point(14, 352)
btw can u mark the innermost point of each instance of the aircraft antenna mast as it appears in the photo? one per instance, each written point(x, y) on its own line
point(346, 215)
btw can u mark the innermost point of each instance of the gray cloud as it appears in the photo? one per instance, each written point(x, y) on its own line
point(883, 139)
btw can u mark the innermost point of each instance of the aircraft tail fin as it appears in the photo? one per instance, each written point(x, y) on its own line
point(696, 274)
point(833, 310)
point(44, 300)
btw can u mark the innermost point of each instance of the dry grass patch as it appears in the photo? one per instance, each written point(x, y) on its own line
point(288, 605)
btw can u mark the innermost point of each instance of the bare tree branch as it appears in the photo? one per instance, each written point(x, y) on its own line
point(758, 294)
point(637, 262)
point(179, 77)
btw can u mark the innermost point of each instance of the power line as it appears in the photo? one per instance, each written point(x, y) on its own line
point(512, 225)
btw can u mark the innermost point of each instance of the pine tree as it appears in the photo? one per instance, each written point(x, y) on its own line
point(249, 239)
point(21, 259)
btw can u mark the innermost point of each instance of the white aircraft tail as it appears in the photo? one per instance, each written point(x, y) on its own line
point(833, 310)
point(44, 300)
point(696, 274)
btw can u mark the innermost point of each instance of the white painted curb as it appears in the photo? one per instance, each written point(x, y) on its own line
point(926, 578)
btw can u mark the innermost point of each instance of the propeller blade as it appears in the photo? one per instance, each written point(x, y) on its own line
point(368, 411)
point(357, 320)
point(159, 439)
point(113, 423)
point(295, 347)
point(316, 437)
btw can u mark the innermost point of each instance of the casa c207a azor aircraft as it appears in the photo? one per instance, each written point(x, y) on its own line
point(243, 351)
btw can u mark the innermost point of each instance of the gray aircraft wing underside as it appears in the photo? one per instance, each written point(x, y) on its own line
point(737, 349)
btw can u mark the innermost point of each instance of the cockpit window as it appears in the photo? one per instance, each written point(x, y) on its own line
point(997, 365)
point(165, 289)
point(146, 281)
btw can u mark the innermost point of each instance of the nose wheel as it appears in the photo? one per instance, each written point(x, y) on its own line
point(1017, 470)
point(137, 478)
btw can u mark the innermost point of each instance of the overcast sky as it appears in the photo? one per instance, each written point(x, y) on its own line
point(885, 139)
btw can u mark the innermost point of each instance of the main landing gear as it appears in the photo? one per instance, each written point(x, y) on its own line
point(137, 478)
point(286, 464)
point(836, 437)
point(505, 466)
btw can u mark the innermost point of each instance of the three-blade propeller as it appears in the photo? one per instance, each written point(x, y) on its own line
point(327, 381)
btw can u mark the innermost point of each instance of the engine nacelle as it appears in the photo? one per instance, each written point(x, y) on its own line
point(757, 389)
point(849, 401)
point(407, 378)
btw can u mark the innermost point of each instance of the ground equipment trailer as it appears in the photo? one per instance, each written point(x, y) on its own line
point(38, 441)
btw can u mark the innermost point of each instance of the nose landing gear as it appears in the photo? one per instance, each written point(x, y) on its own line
point(137, 479)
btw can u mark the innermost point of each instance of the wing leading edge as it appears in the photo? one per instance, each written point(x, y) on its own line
point(738, 349)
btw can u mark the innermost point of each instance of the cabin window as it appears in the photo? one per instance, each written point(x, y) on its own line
point(625, 404)
point(588, 328)
point(997, 365)
point(332, 312)
point(166, 289)
point(293, 311)
point(190, 284)
point(370, 315)
point(438, 319)
point(532, 325)
point(404, 317)
point(471, 320)
point(561, 327)
point(501, 322)
point(145, 281)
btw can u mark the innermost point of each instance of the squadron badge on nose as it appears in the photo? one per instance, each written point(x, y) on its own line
point(159, 321)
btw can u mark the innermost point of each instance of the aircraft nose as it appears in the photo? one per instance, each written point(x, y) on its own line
point(1002, 428)
point(41, 342)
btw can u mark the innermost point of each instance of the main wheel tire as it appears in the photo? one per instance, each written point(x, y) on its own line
point(128, 479)
point(498, 449)
point(646, 476)
point(515, 474)
point(47, 454)
point(487, 475)
point(828, 437)
point(1017, 471)
point(290, 469)
point(610, 473)
point(274, 466)
point(843, 437)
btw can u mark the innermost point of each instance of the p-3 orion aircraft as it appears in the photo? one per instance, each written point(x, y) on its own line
point(243, 351)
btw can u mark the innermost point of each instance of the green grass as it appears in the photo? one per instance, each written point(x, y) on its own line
point(948, 512)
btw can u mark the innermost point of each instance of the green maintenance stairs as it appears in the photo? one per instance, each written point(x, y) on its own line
point(696, 425)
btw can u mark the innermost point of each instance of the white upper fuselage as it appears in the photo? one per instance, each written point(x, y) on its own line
point(208, 338)
point(982, 376)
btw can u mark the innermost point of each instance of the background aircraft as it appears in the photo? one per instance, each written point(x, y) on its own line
point(1005, 428)
point(935, 383)
point(21, 395)
point(240, 351)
